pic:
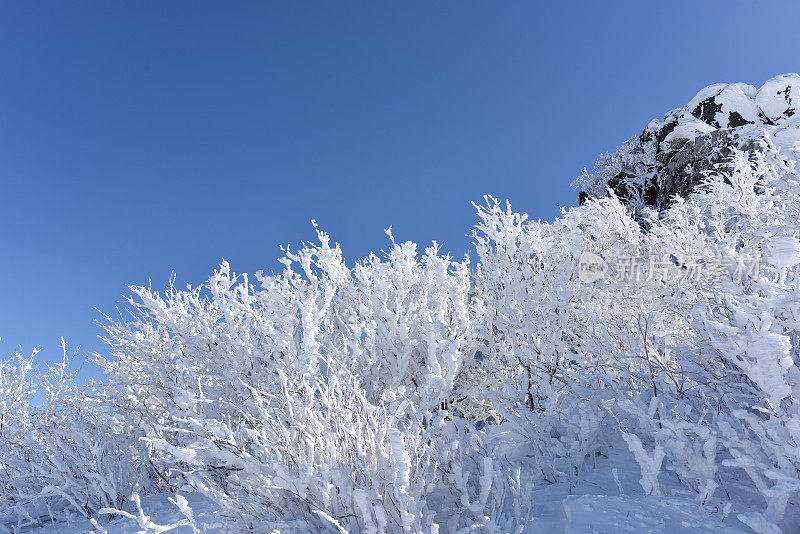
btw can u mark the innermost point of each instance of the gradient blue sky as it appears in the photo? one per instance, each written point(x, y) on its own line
point(146, 137)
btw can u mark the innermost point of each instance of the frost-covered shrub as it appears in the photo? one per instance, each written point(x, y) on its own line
point(61, 451)
point(320, 395)
point(695, 361)
point(752, 326)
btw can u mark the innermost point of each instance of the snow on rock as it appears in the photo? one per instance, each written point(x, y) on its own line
point(737, 104)
point(779, 97)
point(672, 155)
point(725, 105)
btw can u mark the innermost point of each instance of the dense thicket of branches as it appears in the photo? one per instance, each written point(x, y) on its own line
point(409, 392)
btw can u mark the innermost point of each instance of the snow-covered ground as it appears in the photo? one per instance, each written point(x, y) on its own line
point(606, 499)
point(586, 513)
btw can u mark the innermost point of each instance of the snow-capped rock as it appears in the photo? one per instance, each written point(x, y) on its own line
point(779, 98)
point(672, 155)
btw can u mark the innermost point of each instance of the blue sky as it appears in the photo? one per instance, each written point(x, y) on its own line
point(144, 137)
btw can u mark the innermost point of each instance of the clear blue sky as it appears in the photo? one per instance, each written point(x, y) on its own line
point(139, 138)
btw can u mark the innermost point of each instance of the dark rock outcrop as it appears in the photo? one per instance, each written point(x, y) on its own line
point(673, 155)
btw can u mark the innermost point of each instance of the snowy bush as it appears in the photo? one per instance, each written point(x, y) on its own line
point(60, 450)
point(323, 393)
